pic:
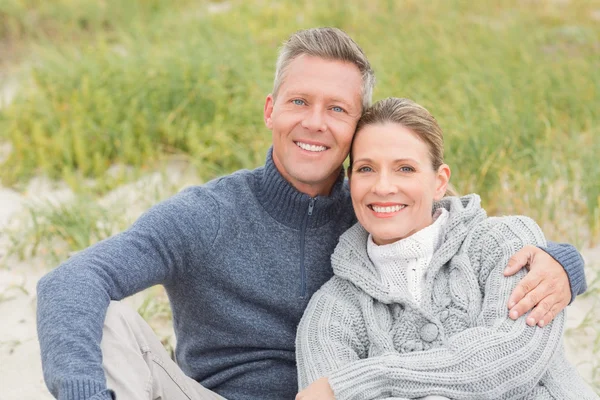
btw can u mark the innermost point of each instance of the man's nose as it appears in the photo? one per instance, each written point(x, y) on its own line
point(314, 120)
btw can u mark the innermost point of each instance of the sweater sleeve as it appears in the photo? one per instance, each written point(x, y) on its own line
point(570, 259)
point(495, 358)
point(73, 298)
point(328, 335)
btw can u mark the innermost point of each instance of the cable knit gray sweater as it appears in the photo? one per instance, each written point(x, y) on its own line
point(459, 342)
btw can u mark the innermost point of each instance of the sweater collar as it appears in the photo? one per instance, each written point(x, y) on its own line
point(351, 261)
point(421, 244)
point(289, 206)
point(401, 265)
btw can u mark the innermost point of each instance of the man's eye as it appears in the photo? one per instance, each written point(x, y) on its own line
point(298, 102)
point(337, 109)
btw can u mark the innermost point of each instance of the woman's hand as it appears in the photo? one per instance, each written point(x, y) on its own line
point(318, 390)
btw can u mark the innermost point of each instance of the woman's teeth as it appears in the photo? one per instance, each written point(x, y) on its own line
point(390, 209)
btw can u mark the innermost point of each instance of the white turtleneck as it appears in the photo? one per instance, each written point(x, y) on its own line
point(402, 264)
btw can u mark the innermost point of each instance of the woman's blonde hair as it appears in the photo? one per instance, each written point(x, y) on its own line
point(412, 116)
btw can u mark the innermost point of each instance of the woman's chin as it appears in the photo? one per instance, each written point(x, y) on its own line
point(382, 238)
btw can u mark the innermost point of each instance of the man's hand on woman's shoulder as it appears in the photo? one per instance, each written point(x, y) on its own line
point(545, 289)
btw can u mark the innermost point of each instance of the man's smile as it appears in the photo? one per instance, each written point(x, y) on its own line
point(316, 148)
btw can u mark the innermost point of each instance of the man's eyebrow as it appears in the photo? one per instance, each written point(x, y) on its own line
point(296, 93)
point(338, 100)
point(306, 95)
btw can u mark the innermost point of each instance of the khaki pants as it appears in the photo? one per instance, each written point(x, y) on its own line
point(136, 364)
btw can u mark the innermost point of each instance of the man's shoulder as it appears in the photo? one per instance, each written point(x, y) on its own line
point(221, 188)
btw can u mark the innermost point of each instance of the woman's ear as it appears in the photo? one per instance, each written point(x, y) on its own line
point(442, 180)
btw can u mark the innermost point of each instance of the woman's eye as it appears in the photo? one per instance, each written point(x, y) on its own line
point(298, 102)
point(407, 169)
point(364, 169)
point(337, 109)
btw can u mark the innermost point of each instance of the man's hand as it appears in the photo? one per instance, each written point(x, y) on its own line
point(318, 390)
point(546, 286)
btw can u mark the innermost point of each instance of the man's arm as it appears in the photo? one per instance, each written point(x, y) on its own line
point(73, 298)
point(556, 277)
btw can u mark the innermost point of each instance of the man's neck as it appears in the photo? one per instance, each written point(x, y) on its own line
point(314, 190)
point(322, 188)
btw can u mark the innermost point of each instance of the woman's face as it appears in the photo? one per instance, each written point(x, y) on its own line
point(392, 182)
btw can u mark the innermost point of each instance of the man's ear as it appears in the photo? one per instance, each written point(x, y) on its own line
point(442, 180)
point(268, 111)
point(349, 175)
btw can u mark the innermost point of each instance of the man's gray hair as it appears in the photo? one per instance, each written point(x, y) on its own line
point(329, 44)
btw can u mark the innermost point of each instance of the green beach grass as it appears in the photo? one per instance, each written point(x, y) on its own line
point(515, 84)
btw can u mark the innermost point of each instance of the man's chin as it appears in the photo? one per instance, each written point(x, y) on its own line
point(316, 180)
point(315, 177)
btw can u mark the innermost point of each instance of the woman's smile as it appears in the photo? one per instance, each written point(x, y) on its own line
point(386, 210)
point(392, 181)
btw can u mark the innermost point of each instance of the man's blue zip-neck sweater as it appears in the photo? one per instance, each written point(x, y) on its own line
point(239, 257)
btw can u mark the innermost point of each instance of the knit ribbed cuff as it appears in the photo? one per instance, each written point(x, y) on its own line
point(570, 259)
point(104, 395)
point(84, 389)
point(359, 379)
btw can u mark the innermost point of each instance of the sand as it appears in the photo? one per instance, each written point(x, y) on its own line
point(20, 366)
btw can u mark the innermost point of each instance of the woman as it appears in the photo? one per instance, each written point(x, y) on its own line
point(416, 308)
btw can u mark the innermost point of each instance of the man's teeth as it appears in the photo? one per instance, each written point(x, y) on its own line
point(387, 209)
point(310, 147)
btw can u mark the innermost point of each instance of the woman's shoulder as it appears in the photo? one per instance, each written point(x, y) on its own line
point(337, 290)
point(467, 211)
point(499, 229)
point(494, 240)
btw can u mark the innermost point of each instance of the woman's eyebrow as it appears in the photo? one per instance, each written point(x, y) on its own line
point(398, 160)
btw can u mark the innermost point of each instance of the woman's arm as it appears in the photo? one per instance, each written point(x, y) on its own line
point(330, 335)
point(497, 358)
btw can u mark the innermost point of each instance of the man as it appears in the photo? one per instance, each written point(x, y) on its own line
point(239, 257)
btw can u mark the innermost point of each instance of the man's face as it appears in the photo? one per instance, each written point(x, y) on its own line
point(313, 120)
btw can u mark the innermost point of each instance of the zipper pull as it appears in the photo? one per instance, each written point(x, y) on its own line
point(311, 205)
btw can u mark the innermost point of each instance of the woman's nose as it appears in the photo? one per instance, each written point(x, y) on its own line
point(384, 185)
